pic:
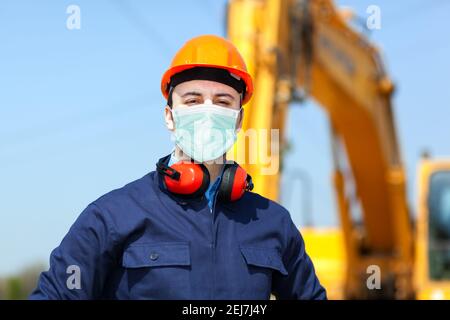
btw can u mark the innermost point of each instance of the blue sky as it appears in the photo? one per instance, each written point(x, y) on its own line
point(81, 111)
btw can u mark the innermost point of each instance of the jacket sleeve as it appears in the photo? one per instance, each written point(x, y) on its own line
point(80, 264)
point(301, 283)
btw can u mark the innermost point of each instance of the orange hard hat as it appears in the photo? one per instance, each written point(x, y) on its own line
point(212, 52)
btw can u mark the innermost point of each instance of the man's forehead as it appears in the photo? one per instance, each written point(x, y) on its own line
point(204, 87)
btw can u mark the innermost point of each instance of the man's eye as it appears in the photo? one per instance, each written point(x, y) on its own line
point(224, 102)
point(191, 101)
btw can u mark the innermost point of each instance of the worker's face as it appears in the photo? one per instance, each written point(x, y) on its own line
point(195, 92)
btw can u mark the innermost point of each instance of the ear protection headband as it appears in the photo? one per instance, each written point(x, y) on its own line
point(191, 180)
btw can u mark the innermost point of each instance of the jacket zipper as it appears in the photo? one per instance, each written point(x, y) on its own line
point(213, 212)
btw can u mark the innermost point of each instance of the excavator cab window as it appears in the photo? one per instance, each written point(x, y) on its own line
point(439, 226)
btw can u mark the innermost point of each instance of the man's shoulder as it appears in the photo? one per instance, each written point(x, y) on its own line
point(267, 205)
point(130, 192)
point(268, 213)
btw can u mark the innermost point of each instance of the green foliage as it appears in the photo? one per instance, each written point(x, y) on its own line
point(14, 289)
point(20, 285)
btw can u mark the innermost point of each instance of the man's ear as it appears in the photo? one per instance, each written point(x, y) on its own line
point(240, 119)
point(168, 117)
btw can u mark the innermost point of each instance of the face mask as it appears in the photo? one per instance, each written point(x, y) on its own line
point(205, 132)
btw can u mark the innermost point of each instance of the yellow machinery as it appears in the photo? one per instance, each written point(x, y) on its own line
point(432, 268)
point(307, 48)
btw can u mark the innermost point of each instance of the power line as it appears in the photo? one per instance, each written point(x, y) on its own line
point(141, 24)
point(60, 127)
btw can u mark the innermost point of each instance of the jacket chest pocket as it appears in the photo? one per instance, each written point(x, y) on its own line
point(158, 270)
point(261, 264)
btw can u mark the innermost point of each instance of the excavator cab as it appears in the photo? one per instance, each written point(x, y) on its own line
point(433, 249)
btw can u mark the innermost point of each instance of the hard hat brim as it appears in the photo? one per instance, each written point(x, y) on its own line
point(245, 76)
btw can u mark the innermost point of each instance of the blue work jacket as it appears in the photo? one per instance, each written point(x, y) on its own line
point(141, 242)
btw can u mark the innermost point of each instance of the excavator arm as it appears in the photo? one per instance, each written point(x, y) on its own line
point(306, 48)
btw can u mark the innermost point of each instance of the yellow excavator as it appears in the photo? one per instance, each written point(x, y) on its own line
point(296, 49)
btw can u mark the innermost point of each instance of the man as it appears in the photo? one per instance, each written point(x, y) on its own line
point(191, 229)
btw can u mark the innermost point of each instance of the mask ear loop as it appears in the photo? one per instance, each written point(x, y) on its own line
point(172, 154)
point(169, 99)
point(239, 115)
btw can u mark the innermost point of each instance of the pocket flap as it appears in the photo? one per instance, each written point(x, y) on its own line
point(264, 257)
point(157, 254)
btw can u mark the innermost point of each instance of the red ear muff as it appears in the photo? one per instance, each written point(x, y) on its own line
point(191, 180)
point(185, 179)
point(235, 181)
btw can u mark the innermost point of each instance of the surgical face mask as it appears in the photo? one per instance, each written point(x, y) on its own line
point(205, 132)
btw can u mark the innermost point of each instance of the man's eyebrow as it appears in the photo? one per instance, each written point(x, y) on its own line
point(225, 95)
point(191, 93)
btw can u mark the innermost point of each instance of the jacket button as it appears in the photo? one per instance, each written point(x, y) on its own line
point(154, 256)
